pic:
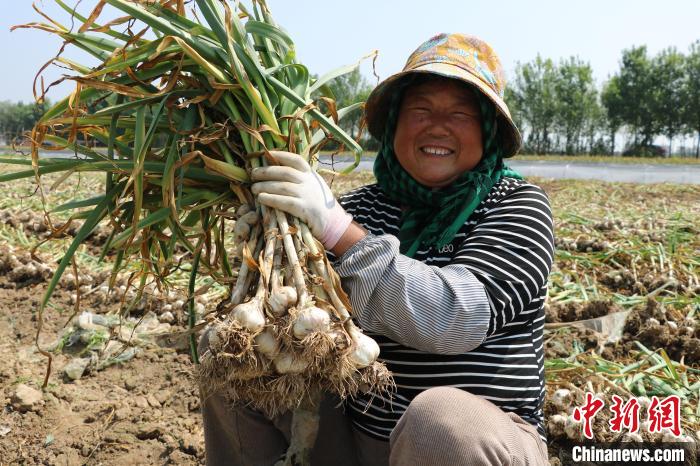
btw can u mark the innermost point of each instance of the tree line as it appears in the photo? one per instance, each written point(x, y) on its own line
point(17, 118)
point(561, 110)
point(557, 105)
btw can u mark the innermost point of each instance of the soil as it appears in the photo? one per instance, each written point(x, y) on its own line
point(571, 312)
point(656, 326)
point(145, 411)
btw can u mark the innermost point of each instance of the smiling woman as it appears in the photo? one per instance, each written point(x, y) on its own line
point(438, 133)
point(445, 261)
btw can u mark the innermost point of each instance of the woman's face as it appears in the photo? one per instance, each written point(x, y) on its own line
point(438, 132)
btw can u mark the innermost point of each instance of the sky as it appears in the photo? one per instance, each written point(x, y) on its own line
point(332, 33)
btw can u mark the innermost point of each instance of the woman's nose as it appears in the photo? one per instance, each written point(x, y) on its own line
point(438, 125)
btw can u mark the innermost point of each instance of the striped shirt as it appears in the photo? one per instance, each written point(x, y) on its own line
point(469, 315)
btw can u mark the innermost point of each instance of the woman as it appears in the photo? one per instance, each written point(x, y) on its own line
point(445, 260)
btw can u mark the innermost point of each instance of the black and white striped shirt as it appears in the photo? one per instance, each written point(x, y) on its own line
point(469, 315)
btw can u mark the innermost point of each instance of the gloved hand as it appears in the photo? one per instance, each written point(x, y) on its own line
point(293, 187)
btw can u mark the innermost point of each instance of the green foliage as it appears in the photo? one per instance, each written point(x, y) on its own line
point(691, 96)
point(656, 95)
point(17, 117)
point(349, 89)
point(636, 83)
point(179, 113)
point(561, 111)
point(577, 106)
point(614, 107)
point(556, 105)
point(534, 95)
point(669, 73)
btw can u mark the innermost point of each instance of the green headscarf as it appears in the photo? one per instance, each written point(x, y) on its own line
point(435, 215)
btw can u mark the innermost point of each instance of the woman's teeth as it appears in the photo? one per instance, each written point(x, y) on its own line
point(436, 151)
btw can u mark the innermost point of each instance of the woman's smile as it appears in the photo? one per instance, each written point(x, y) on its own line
point(438, 132)
point(436, 151)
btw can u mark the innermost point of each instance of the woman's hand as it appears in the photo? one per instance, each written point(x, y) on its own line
point(293, 187)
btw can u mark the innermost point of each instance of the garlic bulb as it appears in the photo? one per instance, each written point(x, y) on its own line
point(243, 209)
point(249, 315)
point(310, 320)
point(286, 363)
point(241, 231)
point(669, 437)
point(251, 218)
point(562, 399)
point(212, 336)
point(632, 437)
point(267, 344)
point(644, 402)
point(573, 429)
point(556, 424)
point(365, 351)
point(281, 299)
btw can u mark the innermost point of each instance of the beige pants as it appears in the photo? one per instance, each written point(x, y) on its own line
point(442, 426)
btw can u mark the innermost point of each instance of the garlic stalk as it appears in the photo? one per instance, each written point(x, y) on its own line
point(281, 297)
point(297, 272)
point(243, 280)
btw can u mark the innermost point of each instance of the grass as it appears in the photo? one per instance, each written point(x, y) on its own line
point(648, 230)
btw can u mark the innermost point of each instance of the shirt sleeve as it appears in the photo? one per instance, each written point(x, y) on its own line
point(441, 310)
point(510, 251)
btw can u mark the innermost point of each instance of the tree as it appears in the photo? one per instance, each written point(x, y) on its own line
point(18, 118)
point(594, 125)
point(614, 108)
point(668, 70)
point(534, 95)
point(576, 105)
point(691, 93)
point(349, 89)
point(637, 91)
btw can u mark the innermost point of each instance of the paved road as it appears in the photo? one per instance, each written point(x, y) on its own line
point(642, 173)
point(638, 173)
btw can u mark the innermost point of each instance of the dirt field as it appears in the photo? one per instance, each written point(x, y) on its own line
point(145, 411)
point(136, 402)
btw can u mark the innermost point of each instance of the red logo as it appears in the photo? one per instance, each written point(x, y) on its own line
point(665, 414)
point(587, 412)
point(662, 414)
point(626, 415)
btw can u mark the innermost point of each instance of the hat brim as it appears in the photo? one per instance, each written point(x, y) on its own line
point(376, 108)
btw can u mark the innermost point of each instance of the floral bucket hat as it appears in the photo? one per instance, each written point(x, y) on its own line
point(456, 56)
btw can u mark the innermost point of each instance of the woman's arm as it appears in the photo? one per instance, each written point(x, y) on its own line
point(435, 309)
point(354, 233)
point(496, 272)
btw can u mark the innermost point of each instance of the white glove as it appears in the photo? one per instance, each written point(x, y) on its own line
point(293, 187)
